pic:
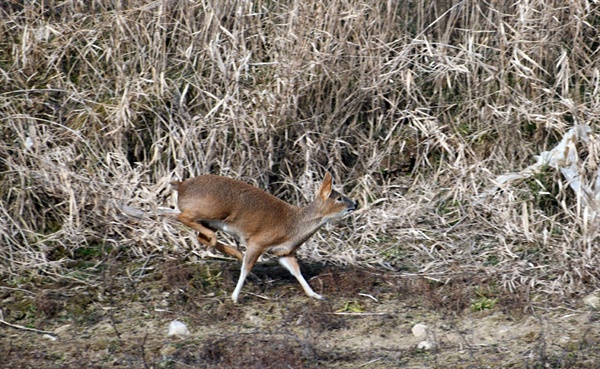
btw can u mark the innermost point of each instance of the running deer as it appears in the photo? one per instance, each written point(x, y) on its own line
point(259, 220)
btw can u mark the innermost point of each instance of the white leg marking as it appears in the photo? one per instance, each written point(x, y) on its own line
point(291, 264)
point(240, 284)
point(252, 254)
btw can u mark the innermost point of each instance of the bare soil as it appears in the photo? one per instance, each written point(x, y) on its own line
point(120, 317)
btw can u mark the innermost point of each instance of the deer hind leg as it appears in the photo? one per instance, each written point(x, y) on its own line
point(205, 235)
point(208, 237)
point(225, 249)
point(291, 263)
point(252, 255)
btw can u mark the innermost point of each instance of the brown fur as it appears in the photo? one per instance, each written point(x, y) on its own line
point(259, 220)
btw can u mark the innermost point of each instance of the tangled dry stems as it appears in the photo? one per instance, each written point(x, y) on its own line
point(415, 108)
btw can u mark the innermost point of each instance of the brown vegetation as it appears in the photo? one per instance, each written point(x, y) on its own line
point(415, 108)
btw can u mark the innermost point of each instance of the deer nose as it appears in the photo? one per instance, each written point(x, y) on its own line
point(353, 205)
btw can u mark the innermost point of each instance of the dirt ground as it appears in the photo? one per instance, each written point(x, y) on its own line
point(120, 317)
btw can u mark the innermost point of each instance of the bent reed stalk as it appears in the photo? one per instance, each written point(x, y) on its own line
point(415, 106)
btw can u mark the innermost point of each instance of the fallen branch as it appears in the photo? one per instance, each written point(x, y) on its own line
point(25, 328)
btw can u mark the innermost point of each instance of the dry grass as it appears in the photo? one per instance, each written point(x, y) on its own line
point(414, 106)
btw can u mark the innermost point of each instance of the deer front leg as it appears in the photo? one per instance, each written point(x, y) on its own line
point(248, 262)
point(291, 263)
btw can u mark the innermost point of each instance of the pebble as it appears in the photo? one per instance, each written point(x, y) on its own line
point(50, 337)
point(178, 328)
point(419, 330)
point(425, 345)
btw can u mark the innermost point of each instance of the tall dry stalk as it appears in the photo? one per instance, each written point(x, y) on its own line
point(414, 106)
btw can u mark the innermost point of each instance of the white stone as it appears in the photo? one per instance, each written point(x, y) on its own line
point(50, 337)
point(419, 330)
point(425, 345)
point(178, 328)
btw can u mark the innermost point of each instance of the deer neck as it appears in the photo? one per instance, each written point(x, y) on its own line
point(302, 223)
point(308, 219)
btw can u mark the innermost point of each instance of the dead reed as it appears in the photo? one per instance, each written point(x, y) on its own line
point(415, 107)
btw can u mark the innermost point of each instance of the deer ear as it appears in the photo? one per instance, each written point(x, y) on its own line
point(325, 189)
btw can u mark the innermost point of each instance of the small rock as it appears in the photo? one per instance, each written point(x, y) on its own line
point(419, 330)
point(425, 345)
point(592, 301)
point(178, 328)
point(50, 337)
